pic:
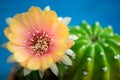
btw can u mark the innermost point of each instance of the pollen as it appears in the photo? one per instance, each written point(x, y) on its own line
point(41, 45)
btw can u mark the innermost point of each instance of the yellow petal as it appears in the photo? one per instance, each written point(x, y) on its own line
point(7, 31)
point(24, 63)
point(27, 19)
point(17, 26)
point(69, 43)
point(39, 62)
point(50, 25)
point(62, 31)
point(57, 55)
point(16, 39)
point(46, 62)
point(36, 15)
point(50, 20)
point(59, 50)
point(60, 45)
point(48, 15)
point(34, 63)
point(13, 48)
point(22, 55)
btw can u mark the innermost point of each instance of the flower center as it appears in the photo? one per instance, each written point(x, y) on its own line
point(41, 45)
point(40, 42)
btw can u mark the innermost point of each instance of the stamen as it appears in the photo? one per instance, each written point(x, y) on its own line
point(40, 44)
point(31, 39)
point(33, 34)
point(46, 35)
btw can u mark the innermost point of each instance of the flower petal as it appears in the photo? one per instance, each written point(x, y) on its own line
point(24, 63)
point(66, 20)
point(17, 26)
point(74, 37)
point(34, 62)
point(60, 18)
point(54, 69)
point(7, 31)
point(48, 15)
point(58, 51)
point(62, 32)
point(47, 8)
point(27, 20)
point(22, 55)
point(36, 16)
point(41, 73)
point(70, 53)
point(26, 71)
point(8, 21)
point(18, 40)
point(69, 43)
point(39, 62)
point(50, 21)
point(46, 62)
point(4, 45)
point(12, 47)
point(10, 59)
point(61, 45)
point(66, 60)
point(57, 56)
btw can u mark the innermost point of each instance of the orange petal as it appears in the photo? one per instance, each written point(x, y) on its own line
point(22, 55)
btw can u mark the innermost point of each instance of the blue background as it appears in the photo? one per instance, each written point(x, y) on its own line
point(107, 12)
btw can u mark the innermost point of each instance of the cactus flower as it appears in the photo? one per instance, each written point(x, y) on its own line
point(38, 39)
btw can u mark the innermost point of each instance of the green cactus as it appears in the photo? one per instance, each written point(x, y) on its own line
point(97, 53)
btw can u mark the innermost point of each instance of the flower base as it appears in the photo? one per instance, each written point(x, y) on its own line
point(34, 75)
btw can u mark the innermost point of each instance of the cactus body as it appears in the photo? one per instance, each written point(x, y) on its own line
point(97, 53)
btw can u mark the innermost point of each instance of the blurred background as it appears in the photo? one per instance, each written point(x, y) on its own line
point(107, 12)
